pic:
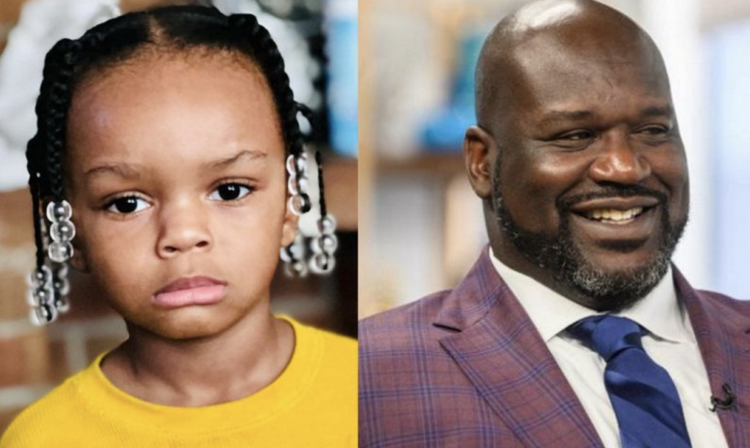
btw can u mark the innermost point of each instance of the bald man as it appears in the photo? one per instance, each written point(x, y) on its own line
point(573, 329)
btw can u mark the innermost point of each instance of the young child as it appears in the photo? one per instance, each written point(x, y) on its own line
point(169, 154)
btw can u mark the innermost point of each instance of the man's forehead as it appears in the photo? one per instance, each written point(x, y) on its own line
point(585, 113)
point(556, 63)
point(576, 59)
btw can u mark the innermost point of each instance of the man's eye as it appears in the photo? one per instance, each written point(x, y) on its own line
point(577, 136)
point(654, 130)
point(230, 192)
point(127, 205)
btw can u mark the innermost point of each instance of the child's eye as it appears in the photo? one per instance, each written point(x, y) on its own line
point(230, 192)
point(127, 205)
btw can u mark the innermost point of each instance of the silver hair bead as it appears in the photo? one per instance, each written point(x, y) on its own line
point(298, 204)
point(38, 296)
point(324, 243)
point(62, 305)
point(297, 164)
point(61, 271)
point(302, 163)
point(295, 186)
point(298, 184)
point(36, 317)
point(63, 231)
point(327, 225)
point(284, 255)
point(43, 314)
point(291, 184)
point(60, 252)
point(62, 286)
point(298, 268)
point(322, 263)
point(39, 277)
point(59, 211)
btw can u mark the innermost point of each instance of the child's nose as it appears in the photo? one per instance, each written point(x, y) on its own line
point(183, 230)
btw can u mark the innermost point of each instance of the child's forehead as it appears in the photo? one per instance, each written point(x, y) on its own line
point(164, 65)
point(174, 107)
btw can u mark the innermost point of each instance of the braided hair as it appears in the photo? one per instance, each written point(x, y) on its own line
point(176, 29)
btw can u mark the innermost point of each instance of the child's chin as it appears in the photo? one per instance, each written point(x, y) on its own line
point(187, 327)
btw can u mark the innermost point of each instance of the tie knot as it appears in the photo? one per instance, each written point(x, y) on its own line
point(607, 335)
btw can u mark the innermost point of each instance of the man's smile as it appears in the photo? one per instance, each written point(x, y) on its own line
point(614, 216)
point(637, 228)
point(617, 218)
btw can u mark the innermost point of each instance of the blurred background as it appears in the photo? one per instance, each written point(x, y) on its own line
point(421, 227)
point(318, 39)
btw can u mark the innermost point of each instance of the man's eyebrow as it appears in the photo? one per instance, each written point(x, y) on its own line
point(227, 161)
point(580, 115)
point(566, 115)
point(126, 170)
point(658, 111)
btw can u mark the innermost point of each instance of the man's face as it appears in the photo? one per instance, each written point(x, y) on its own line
point(591, 181)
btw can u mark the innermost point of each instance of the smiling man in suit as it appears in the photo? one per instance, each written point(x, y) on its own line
point(573, 329)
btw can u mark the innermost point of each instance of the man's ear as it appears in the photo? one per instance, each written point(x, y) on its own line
point(479, 149)
point(289, 228)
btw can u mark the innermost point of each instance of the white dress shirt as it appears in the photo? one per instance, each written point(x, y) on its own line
point(670, 342)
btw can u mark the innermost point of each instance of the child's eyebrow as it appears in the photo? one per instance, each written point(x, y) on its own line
point(121, 169)
point(132, 171)
point(244, 154)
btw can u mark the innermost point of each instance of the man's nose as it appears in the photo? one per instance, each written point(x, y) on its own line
point(618, 161)
point(183, 228)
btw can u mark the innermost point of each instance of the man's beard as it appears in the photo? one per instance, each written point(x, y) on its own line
point(559, 254)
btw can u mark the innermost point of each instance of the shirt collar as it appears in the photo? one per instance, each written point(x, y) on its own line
point(659, 312)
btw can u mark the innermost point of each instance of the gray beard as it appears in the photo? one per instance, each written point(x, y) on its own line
point(559, 254)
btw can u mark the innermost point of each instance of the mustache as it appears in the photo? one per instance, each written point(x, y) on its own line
point(611, 191)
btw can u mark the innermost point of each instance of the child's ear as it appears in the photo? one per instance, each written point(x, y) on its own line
point(78, 261)
point(289, 228)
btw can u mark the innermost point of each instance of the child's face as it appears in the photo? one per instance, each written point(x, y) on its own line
point(175, 170)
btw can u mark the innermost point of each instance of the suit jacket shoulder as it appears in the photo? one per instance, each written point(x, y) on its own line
point(464, 368)
point(407, 327)
point(722, 328)
point(727, 306)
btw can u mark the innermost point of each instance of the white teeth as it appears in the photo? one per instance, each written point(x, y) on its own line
point(614, 216)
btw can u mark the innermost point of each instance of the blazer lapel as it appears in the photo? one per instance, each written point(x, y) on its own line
point(500, 351)
point(723, 333)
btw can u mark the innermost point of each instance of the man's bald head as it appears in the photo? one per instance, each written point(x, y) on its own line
point(548, 37)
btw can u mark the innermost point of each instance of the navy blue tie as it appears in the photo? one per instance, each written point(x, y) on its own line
point(643, 395)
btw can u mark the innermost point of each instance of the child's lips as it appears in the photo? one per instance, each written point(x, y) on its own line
point(190, 291)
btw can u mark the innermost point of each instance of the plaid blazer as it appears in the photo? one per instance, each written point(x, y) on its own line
point(467, 368)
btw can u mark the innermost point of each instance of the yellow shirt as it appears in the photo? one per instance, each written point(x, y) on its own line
point(313, 403)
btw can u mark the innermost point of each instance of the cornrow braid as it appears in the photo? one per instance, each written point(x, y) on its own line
point(46, 149)
point(272, 63)
point(45, 153)
point(52, 112)
point(34, 178)
point(269, 58)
